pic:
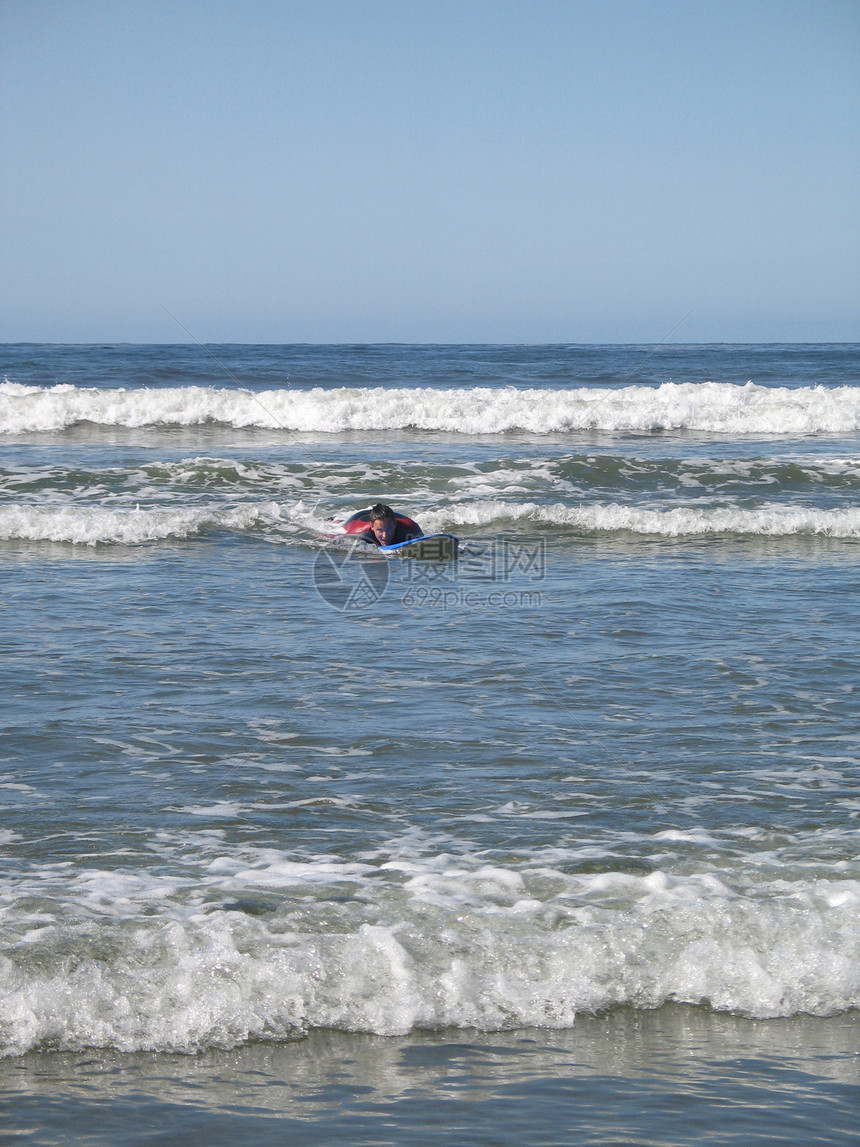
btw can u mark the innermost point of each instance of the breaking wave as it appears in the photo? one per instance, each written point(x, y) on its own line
point(719, 408)
point(426, 944)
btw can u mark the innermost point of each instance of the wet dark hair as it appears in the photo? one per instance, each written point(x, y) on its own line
point(380, 510)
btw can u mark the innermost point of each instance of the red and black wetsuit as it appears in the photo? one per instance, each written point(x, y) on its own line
point(405, 529)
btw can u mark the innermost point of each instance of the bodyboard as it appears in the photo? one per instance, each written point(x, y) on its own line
point(429, 548)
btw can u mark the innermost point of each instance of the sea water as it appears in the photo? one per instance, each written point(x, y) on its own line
point(556, 843)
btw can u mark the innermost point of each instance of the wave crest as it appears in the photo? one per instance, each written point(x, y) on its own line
point(463, 947)
point(719, 408)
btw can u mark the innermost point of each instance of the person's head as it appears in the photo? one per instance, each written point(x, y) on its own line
point(383, 523)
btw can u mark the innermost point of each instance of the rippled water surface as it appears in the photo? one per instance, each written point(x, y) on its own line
point(567, 828)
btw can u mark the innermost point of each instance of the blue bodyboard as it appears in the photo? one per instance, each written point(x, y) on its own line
point(430, 548)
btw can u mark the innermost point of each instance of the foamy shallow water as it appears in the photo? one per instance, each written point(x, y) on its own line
point(260, 786)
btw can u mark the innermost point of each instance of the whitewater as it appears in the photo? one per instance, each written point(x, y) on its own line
point(714, 407)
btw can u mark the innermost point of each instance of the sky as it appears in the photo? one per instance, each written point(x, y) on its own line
point(430, 171)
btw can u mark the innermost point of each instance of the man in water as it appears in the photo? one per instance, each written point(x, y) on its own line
point(386, 529)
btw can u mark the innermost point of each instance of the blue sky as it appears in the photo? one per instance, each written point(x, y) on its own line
point(430, 171)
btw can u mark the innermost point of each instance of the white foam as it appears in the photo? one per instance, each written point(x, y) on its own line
point(138, 960)
point(92, 525)
point(768, 520)
point(714, 407)
point(89, 525)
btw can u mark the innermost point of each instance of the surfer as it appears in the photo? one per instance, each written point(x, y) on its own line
point(380, 526)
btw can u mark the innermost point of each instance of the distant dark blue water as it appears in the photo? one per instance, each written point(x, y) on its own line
point(557, 843)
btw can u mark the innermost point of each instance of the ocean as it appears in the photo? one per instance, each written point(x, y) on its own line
point(556, 843)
